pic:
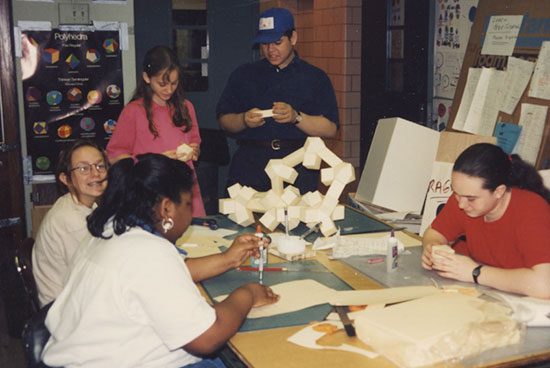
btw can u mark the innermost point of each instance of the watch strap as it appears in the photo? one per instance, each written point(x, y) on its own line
point(475, 273)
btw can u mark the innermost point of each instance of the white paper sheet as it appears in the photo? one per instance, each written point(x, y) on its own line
point(482, 116)
point(501, 36)
point(292, 298)
point(467, 96)
point(532, 120)
point(516, 79)
point(540, 83)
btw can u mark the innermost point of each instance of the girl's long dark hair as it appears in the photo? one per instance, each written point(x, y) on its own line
point(135, 188)
point(162, 59)
point(496, 167)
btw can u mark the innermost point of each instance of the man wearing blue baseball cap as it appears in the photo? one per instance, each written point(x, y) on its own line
point(272, 105)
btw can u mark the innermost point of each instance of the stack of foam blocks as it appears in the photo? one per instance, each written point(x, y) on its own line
point(311, 208)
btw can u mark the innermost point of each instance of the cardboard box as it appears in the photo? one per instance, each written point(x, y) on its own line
point(37, 215)
point(398, 166)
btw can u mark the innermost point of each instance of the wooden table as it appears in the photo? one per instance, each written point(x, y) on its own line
point(270, 348)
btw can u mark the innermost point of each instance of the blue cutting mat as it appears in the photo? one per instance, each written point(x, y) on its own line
point(309, 269)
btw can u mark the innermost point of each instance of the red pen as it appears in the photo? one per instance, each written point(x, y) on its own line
point(375, 260)
point(255, 269)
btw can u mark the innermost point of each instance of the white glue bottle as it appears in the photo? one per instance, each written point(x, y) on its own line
point(255, 262)
point(391, 253)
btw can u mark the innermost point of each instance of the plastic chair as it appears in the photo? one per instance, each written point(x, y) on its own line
point(35, 336)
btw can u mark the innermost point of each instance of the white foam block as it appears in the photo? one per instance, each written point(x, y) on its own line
point(295, 157)
point(245, 194)
point(226, 205)
point(329, 157)
point(338, 213)
point(291, 195)
point(344, 173)
point(314, 145)
point(327, 175)
point(271, 199)
point(269, 219)
point(312, 160)
point(327, 226)
point(266, 113)
point(234, 190)
point(312, 199)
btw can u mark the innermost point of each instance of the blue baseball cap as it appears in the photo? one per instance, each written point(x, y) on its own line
point(273, 24)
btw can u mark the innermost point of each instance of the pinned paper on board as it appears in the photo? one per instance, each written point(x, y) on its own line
point(507, 135)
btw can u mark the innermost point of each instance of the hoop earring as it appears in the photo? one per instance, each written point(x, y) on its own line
point(167, 224)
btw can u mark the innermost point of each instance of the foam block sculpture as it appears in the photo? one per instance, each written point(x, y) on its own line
point(311, 208)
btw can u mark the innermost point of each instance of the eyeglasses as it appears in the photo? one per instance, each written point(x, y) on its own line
point(86, 169)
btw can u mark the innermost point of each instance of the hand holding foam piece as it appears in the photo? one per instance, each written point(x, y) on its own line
point(184, 152)
point(439, 248)
point(265, 113)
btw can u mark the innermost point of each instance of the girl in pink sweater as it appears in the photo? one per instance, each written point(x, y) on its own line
point(158, 119)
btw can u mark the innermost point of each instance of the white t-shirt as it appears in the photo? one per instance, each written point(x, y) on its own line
point(58, 237)
point(129, 302)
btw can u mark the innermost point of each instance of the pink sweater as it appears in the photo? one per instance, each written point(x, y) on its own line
point(133, 137)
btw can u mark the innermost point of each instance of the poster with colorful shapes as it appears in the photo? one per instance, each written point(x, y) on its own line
point(454, 20)
point(72, 88)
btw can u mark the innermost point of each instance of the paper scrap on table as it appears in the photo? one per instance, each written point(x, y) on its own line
point(330, 335)
point(205, 236)
point(292, 298)
point(382, 296)
point(531, 311)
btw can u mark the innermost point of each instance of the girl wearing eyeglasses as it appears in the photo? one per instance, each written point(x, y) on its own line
point(81, 177)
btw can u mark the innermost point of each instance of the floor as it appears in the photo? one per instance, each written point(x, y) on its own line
point(11, 350)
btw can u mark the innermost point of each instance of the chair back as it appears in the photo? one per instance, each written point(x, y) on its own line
point(23, 264)
point(35, 336)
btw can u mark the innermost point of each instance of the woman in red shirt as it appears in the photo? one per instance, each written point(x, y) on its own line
point(502, 208)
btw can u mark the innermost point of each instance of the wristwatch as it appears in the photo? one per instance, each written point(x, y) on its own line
point(475, 273)
point(299, 118)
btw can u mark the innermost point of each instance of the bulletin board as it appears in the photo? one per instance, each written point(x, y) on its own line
point(534, 29)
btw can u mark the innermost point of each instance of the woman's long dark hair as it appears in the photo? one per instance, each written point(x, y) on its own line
point(496, 167)
point(135, 188)
point(163, 59)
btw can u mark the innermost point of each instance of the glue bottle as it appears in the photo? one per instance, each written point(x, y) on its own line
point(255, 262)
point(391, 253)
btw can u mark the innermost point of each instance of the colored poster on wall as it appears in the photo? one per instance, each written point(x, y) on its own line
point(72, 88)
point(454, 19)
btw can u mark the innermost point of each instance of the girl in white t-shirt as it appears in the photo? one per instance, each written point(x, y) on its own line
point(131, 300)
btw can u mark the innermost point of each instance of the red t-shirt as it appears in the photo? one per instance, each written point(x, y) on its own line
point(520, 238)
